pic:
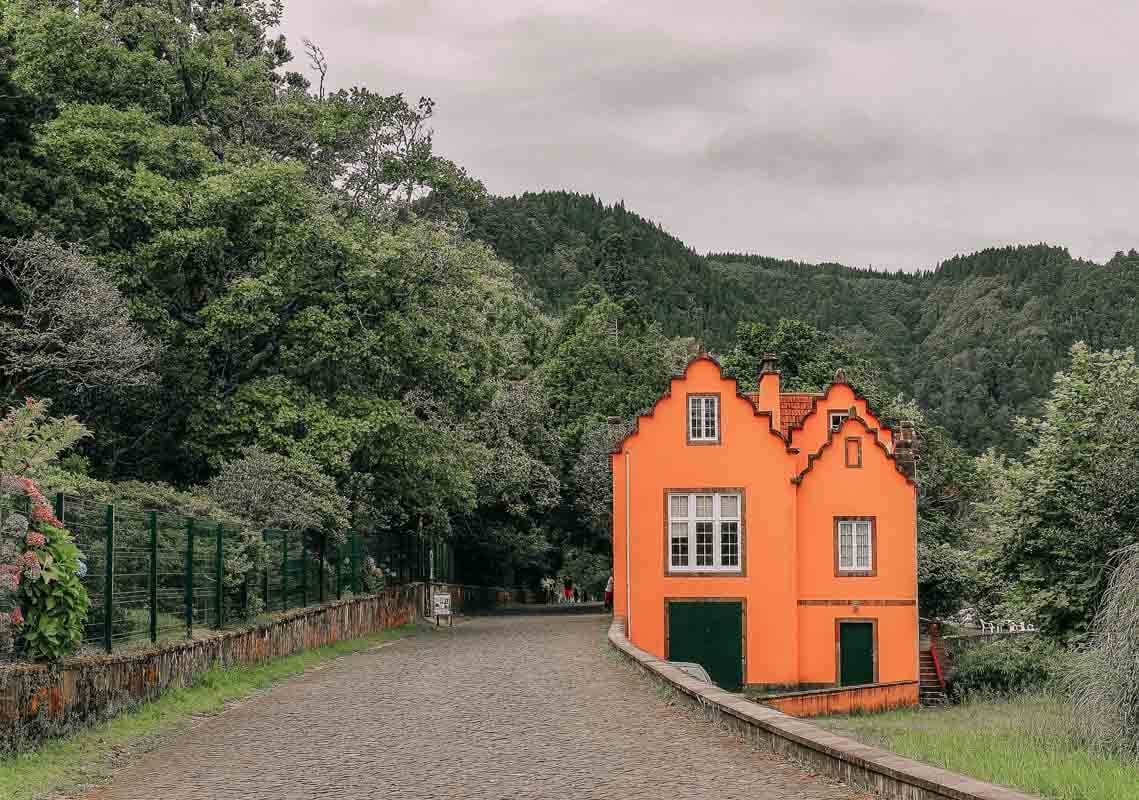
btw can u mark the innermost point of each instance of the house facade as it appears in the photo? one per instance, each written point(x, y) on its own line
point(770, 537)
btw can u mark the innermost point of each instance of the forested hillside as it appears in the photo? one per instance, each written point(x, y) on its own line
point(977, 340)
point(237, 279)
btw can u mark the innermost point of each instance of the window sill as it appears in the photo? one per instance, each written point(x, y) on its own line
point(697, 573)
point(852, 573)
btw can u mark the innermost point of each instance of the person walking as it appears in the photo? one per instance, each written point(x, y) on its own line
point(568, 594)
point(609, 594)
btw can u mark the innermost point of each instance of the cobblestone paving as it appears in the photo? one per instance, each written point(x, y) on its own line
point(499, 707)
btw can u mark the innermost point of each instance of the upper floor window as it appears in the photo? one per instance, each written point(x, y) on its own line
point(854, 546)
point(836, 418)
point(705, 532)
point(703, 418)
point(853, 448)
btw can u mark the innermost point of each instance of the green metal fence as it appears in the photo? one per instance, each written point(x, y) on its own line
point(407, 557)
point(153, 576)
point(306, 568)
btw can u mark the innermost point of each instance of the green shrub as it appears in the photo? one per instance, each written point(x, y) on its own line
point(1006, 667)
point(51, 602)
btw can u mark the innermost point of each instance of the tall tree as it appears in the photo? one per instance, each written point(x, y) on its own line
point(1061, 513)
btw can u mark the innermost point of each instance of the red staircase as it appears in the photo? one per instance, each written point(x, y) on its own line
point(931, 666)
point(931, 690)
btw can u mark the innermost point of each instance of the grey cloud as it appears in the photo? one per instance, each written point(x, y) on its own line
point(886, 132)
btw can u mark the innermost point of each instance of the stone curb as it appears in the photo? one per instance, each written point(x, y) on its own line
point(851, 762)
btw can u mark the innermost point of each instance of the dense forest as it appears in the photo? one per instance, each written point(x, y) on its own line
point(221, 276)
point(976, 340)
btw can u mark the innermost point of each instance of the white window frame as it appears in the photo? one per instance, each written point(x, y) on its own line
point(698, 424)
point(856, 528)
point(842, 415)
point(719, 520)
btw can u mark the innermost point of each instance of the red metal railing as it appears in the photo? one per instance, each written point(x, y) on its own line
point(933, 643)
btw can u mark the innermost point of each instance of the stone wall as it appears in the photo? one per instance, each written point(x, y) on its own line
point(859, 765)
point(39, 701)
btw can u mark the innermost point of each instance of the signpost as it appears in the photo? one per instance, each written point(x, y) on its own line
point(441, 606)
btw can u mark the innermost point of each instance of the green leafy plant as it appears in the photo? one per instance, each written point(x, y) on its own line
point(1007, 667)
point(51, 602)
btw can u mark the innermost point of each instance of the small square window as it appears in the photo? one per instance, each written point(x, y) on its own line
point(729, 506)
point(854, 546)
point(679, 506)
point(704, 418)
point(704, 506)
point(835, 419)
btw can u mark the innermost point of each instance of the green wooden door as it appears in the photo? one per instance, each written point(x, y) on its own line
point(710, 634)
point(856, 653)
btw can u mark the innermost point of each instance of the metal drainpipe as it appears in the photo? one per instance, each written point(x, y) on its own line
point(628, 558)
point(917, 534)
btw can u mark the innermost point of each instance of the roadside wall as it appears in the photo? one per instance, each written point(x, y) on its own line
point(862, 766)
point(40, 701)
point(848, 700)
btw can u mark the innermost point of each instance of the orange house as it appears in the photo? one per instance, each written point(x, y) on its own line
point(770, 537)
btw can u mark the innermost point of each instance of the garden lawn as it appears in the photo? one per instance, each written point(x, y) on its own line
point(90, 755)
point(1028, 743)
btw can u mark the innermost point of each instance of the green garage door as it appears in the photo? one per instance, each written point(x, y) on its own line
point(711, 634)
point(856, 653)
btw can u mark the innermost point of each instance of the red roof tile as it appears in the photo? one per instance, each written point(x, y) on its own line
point(793, 409)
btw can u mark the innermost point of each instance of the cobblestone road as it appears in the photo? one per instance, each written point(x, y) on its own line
point(499, 707)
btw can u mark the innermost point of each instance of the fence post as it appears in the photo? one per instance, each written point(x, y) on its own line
point(219, 578)
point(109, 579)
point(245, 596)
point(265, 587)
point(304, 571)
point(59, 509)
point(284, 570)
point(320, 574)
point(153, 576)
point(189, 578)
point(339, 558)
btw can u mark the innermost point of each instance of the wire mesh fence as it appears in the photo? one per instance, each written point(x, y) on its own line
point(154, 576)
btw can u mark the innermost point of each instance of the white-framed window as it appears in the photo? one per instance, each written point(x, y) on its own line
point(836, 418)
point(703, 418)
point(854, 545)
point(705, 531)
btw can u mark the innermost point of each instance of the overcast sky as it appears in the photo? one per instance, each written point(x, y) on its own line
point(869, 132)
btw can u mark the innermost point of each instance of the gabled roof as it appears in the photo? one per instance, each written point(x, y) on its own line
point(833, 434)
point(617, 448)
point(839, 380)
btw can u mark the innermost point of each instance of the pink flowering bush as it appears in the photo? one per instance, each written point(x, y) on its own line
point(42, 601)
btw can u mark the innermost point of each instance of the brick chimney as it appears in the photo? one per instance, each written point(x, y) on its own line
point(904, 450)
point(768, 398)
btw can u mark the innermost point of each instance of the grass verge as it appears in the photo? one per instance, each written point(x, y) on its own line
point(1028, 743)
point(89, 756)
